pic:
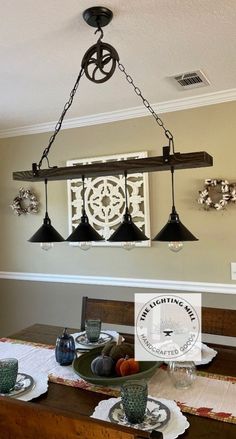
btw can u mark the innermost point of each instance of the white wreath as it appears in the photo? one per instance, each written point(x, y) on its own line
point(233, 192)
point(225, 189)
point(19, 205)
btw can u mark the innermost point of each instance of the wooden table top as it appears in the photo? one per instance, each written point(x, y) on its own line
point(83, 402)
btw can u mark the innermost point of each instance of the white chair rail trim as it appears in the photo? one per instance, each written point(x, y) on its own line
point(122, 282)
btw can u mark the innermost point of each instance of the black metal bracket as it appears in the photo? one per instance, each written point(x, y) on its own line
point(166, 154)
point(35, 169)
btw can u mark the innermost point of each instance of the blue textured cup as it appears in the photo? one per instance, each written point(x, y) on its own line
point(93, 329)
point(8, 374)
point(134, 395)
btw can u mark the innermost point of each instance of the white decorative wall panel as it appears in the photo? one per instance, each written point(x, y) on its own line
point(105, 199)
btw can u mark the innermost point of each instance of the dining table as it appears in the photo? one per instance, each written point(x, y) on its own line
point(81, 401)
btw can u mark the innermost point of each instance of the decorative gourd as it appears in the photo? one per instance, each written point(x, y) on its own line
point(102, 365)
point(116, 351)
point(126, 366)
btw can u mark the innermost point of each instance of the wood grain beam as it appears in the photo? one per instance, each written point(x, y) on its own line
point(149, 164)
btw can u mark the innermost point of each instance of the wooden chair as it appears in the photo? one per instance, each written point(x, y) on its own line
point(215, 321)
point(114, 312)
point(26, 420)
point(219, 321)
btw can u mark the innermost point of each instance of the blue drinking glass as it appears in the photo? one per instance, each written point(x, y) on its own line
point(134, 395)
point(8, 374)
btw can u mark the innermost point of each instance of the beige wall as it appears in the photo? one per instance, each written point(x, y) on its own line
point(25, 303)
point(207, 128)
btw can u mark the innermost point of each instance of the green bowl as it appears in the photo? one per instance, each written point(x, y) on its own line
point(82, 366)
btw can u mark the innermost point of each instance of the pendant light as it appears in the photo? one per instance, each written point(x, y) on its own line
point(46, 234)
point(84, 233)
point(174, 231)
point(127, 232)
point(98, 65)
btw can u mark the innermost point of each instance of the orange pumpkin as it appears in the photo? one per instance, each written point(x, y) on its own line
point(126, 366)
point(117, 367)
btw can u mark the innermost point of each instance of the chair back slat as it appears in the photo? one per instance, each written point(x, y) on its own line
point(114, 312)
point(219, 321)
point(215, 321)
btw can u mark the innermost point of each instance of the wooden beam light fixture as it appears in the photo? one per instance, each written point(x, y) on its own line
point(98, 65)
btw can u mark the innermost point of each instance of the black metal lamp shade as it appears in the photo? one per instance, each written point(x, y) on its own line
point(84, 232)
point(174, 230)
point(46, 233)
point(127, 231)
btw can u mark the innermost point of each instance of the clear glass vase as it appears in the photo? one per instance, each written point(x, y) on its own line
point(182, 373)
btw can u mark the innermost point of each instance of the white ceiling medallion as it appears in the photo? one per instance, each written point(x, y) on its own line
point(105, 200)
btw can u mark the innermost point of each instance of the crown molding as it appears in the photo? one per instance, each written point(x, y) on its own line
point(129, 113)
point(199, 287)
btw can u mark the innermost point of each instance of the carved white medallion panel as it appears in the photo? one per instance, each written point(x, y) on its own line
point(105, 199)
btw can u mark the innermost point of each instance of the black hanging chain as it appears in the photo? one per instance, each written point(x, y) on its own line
point(138, 92)
point(60, 121)
point(68, 104)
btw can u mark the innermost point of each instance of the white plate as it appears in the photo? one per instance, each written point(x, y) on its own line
point(40, 387)
point(104, 338)
point(24, 384)
point(177, 425)
point(33, 386)
point(81, 348)
point(156, 417)
point(207, 355)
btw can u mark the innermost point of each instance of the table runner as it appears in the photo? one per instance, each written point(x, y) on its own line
point(33, 357)
point(211, 396)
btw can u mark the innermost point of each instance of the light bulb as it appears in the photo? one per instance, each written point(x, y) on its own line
point(175, 246)
point(85, 245)
point(46, 245)
point(128, 245)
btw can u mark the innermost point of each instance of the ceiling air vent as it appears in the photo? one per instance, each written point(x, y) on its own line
point(186, 81)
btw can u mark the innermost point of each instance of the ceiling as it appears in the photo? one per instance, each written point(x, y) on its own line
point(42, 44)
